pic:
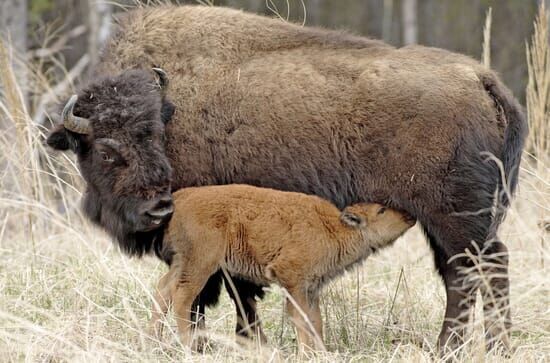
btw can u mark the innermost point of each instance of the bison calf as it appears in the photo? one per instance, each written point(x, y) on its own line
point(295, 240)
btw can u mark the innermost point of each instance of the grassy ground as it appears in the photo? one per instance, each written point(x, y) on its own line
point(66, 294)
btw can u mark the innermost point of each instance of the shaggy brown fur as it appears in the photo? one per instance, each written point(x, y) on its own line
point(295, 240)
point(263, 102)
point(123, 159)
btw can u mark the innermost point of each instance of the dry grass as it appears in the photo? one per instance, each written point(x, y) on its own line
point(538, 87)
point(486, 49)
point(68, 295)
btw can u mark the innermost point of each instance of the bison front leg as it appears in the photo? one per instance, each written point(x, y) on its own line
point(244, 293)
point(248, 322)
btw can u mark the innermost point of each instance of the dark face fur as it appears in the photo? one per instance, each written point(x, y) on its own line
point(121, 156)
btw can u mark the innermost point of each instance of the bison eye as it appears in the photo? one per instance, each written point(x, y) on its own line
point(381, 210)
point(106, 157)
point(109, 150)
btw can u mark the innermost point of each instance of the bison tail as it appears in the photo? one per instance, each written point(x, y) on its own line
point(514, 134)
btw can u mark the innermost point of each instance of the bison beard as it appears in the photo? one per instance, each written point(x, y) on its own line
point(133, 243)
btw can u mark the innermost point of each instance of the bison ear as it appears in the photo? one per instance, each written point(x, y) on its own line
point(351, 219)
point(62, 139)
point(58, 139)
point(167, 111)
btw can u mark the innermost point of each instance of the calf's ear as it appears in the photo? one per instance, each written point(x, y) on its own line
point(351, 219)
point(58, 139)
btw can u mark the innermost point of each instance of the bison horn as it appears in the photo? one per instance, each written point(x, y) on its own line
point(74, 123)
point(163, 77)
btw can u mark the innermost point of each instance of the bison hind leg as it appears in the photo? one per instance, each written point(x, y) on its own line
point(460, 298)
point(495, 292)
point(463, 235)
point(483, 268)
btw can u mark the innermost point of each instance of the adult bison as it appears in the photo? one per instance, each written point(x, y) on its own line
point(263, 102)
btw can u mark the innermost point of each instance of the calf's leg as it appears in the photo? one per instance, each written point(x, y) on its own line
point(161, 304)
point(316, 317)
point(305, 315)
point(184, 295)
point(190, 280)
point(208, 297)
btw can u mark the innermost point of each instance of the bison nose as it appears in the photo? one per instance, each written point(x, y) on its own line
point(162, 208)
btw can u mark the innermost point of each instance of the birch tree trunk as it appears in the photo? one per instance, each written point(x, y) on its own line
point(13, 30)
point(13, 23)
point(410, 25)
point(313, 16)
point(100, 28)
point(387, 20)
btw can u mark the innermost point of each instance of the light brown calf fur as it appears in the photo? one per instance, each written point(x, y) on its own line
point(296, 240)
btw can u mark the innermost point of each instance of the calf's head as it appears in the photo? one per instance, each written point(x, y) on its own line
point(379, 223)
point(116, 128)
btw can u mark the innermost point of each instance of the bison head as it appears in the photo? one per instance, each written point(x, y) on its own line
point(116, 128)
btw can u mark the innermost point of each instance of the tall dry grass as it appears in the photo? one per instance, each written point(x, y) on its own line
point(538, 88)
point(486, 49)
point(538, 111)
point(68, 295)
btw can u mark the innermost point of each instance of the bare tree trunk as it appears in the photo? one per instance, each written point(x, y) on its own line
point(313, 12)
point(13, 29)
point(255, 6)
point(13, 23)
point(387, 20)
point(410, 26)
point(100, 28)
